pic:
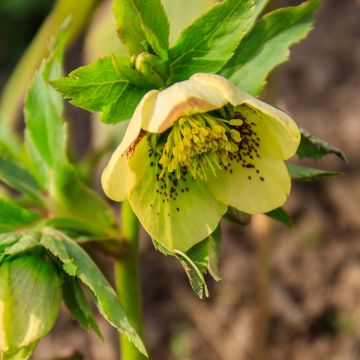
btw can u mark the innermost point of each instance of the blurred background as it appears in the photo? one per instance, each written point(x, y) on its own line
point(284, 294)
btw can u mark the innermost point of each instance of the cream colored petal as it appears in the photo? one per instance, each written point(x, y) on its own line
point(276, 125)
point(117, 177)
point(253, 190)
point(182, 99)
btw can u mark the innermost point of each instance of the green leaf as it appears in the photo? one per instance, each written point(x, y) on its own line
point(201, 258)
point(314, 148)
point(267, 45)
point(214, 254)
point(9, 145)
point(207, 44)
point(7, 239)
point(45, 133)
point(23, 353)
point(75, 200)
point(26, 241)
point(103, 294)
point(142, 25)
point(260, 6)
point(195, 272)
point(102, 86)
point(78, 306)
point(46, 140)
point(282, 216)
point(14, 175)
point(68, 251)
point(13, 216)
point(305, 173)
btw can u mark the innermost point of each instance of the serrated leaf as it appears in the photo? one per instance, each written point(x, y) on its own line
point(305, 173)
point(267, 45)
point(78, 306)
point(46, 141)
point(68, 251)
point(314, 148)
point(26, 241)
point(201, 258)
point(17, 177)
point(208, 43)
point(142, 25)
point(13, 216)
point(194, 273)
point(70, 268)
point(7, 239)
point(282, 216)
point(103, 294)
point(102, 86)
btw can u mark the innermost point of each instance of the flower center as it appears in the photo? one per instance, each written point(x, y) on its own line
point(199, 143)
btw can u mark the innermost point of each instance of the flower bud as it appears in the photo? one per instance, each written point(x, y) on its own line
point(152, 68)
point(30, 298)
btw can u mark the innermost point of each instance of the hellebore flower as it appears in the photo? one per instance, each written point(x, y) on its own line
point(195, 148)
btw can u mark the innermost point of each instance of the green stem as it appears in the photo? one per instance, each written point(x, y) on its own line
point(15, 87)
point(127, 279)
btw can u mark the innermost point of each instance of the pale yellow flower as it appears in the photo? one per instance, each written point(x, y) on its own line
point(195, 148)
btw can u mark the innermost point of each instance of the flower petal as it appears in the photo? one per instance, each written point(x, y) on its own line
point(277, 126)
point(116, 177)
point(177, 213)
point(182, 99)
point(255, 189)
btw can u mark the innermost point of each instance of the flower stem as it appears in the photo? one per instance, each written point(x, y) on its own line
point(261, 226)
point(20, 78)
point(127, 279)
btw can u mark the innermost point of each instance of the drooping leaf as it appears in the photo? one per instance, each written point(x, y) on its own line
point(305, 173)
point(194, 273)
point(8, 239)
point(314, 148)
point(78, 306)
point(208, 43)
point(214, 254)
point(26, 241)
point(201, 258)
point(142, 25)
point(267, 45)
point(282, 216)
point(14, 175)
point(13, 216)
point(68, 251)
point(102, 86)
point(103, 294)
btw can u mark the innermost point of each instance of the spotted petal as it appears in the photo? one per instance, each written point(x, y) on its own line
point(279, 130)
point(253, 190)
point(182, 99)
point(117, 178)
point(177, 213)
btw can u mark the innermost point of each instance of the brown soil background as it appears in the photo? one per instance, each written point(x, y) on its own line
point(314, 269)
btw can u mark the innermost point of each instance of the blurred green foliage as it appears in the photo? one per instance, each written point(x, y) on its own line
point(19, 20)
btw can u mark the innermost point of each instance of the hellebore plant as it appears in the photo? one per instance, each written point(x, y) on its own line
point(199, 147)
point(195, 148)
